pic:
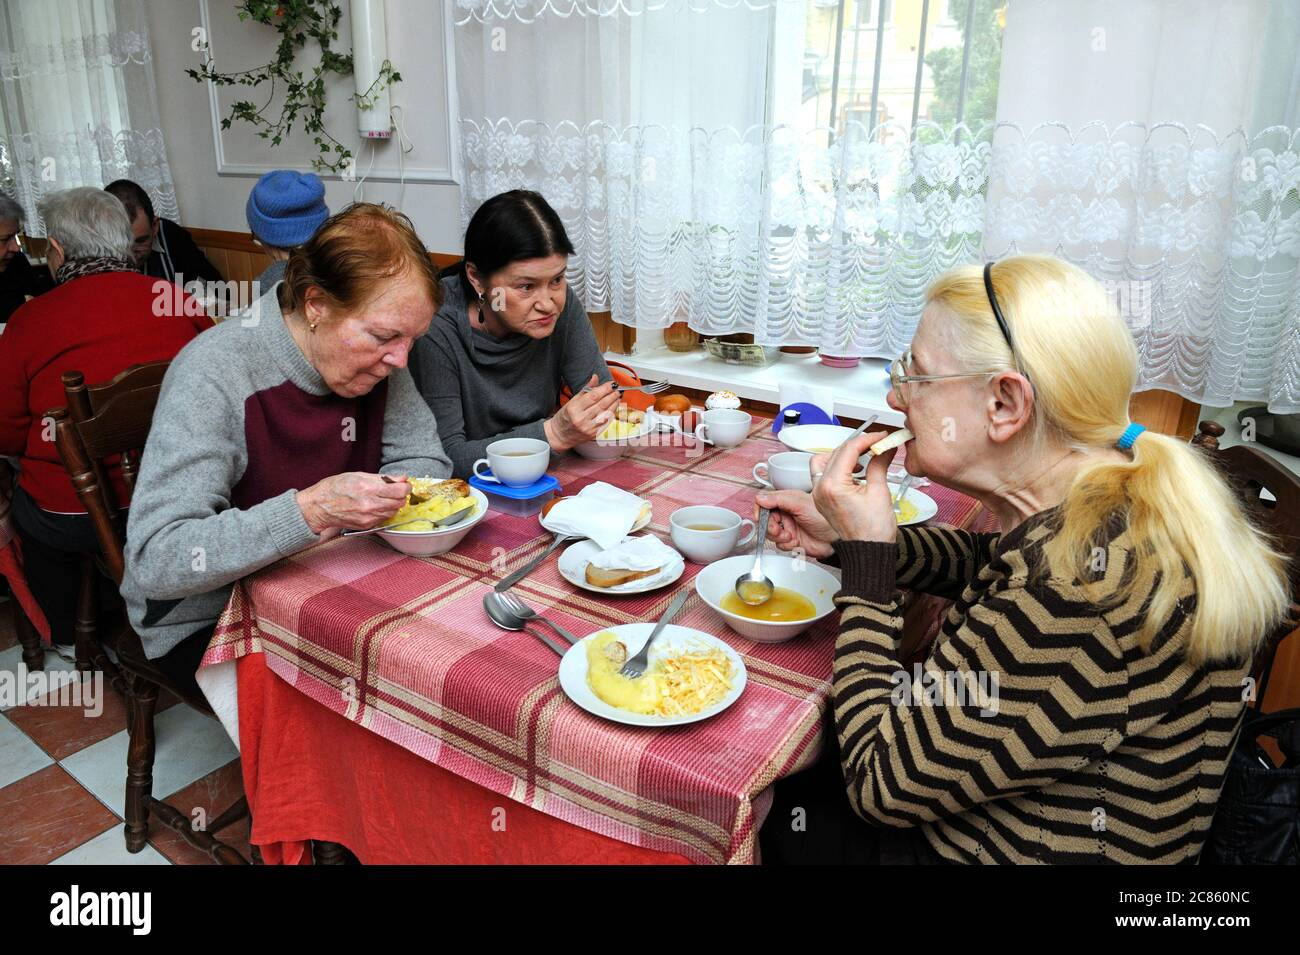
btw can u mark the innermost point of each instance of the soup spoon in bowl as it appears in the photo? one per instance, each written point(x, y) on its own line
point(755, 588)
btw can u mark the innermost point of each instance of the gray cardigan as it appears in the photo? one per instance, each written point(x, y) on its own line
point(187, 540)
point(482, 388)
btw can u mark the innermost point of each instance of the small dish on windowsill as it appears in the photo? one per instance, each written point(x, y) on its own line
point(837, 361)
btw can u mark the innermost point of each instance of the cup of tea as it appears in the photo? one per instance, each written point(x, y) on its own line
point(515, 462)
point(705, 533)
point(724, 427)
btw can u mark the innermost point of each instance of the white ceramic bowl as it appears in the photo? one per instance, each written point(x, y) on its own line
point(817, 438)
point(806, 577)
point(612, 448)
point(429, 543)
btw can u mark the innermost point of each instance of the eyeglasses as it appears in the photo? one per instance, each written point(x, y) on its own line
point(900, 377)
point(898, 369)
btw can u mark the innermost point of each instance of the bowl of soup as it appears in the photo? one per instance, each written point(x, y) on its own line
point(804, 589)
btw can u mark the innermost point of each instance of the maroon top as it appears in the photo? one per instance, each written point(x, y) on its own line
point(295, 439)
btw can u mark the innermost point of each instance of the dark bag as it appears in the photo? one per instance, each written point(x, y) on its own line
point(1258, 819)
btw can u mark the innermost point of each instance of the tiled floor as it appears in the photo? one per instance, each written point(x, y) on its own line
point(63, 774)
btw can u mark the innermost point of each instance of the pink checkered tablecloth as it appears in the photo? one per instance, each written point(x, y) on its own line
point(402, 646)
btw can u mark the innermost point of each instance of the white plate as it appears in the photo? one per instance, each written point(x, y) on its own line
point(641, 522)
point(573, 568)
point(926, 507)
point(573, 672)
point(814, 437)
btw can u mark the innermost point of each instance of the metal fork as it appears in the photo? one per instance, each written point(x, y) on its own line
point(514, 604)
point(635, 668)
point(896, 500)
point(654, 388)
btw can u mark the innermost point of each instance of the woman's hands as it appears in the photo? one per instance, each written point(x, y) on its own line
point(796, 524)
point(863, 512)
point(583, 417)
point(351, 501)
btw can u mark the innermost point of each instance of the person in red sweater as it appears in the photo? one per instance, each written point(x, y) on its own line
point(101, 318)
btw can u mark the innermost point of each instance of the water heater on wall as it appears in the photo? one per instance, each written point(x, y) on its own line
point(369, 54)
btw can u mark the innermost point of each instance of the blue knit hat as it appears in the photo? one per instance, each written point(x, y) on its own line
point(286, 208)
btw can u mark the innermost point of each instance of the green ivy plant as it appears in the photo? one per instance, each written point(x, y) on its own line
point(297, 22)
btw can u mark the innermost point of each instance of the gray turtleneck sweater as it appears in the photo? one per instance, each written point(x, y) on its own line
point(483, 388)
point(243, 423)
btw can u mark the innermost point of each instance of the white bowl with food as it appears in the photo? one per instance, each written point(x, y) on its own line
point(615, 439)
point(692, 675)
point(804, 589)
point(446, 498)
point(816, 438)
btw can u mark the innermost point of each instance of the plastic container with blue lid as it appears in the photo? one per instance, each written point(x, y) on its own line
point(519, 501)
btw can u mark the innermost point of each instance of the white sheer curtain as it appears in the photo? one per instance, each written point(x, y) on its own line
point(1152, 141)
point(1155, 143)
point(657, 130)
point(79, 102)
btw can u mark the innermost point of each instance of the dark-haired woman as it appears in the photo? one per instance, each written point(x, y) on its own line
point(509, 336)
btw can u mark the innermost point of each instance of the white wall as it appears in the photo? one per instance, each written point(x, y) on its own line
point(213, 199)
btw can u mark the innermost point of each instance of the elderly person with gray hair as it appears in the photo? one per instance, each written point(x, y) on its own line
point(19, 280)
point(101, 318)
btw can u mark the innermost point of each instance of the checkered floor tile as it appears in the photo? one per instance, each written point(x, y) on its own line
point(63, 769)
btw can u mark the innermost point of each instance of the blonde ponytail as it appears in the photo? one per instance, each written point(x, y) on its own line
point(1183, 517)
point(1181, 514)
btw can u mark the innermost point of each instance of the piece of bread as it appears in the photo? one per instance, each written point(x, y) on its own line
point(612, 577)
point(427, 489)
point(892, 440)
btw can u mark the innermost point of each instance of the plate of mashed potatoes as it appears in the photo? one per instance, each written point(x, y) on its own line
point(692, 676)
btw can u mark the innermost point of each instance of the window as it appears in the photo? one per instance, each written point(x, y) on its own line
point(935, 60)
point(868, 10)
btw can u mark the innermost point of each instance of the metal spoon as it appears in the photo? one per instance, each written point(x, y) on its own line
point(507, 620)
point(453, 518)
point(755, 588)
point(509, 604)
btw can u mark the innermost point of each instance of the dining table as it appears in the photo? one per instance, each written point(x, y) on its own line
point(375, 704)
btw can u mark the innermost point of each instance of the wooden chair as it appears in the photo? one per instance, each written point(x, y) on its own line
point(101, 423)
point(1251, 471)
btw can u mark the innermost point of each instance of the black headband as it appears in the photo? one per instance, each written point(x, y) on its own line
point(997, 312)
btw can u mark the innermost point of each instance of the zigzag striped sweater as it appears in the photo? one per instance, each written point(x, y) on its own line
point(1037, 730)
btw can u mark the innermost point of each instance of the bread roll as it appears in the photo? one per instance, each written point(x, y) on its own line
point(672, 404)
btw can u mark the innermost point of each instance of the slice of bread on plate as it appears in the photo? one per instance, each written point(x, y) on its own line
point(613, 576)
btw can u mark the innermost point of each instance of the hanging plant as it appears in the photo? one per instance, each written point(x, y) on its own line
point(298, 22)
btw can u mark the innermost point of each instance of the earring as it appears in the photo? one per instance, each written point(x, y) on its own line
point(312, 326)
point(482, 305)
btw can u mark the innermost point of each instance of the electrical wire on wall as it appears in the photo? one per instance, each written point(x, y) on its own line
point(404, 146)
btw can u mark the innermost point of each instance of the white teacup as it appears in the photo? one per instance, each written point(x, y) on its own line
point(705, 533)
point(725, 427)
point(515, 462)
point(790, 471)
point(787, 471)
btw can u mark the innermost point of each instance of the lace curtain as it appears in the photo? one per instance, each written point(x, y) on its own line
point(647, 126)
point(79, 103)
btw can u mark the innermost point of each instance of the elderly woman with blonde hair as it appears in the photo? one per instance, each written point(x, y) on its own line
point(1110, 626)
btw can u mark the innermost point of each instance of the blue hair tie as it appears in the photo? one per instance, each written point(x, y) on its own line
point(1129, 436)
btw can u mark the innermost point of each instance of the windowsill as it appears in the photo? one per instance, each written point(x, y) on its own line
point(859, 392)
